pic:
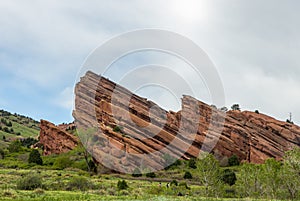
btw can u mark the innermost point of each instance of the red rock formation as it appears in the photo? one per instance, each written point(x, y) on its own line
point(101, 104)
point(55, 139)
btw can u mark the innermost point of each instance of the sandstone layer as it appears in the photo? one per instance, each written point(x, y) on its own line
point(135, 125)
point(56, 139)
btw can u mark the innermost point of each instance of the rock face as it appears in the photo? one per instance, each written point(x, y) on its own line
point(136, 125)
point(56, 139)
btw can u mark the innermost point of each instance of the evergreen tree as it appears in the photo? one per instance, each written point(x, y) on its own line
point(35, 157)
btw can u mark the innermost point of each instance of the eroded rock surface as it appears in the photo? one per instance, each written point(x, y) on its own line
point(146, 128)
point(56, 139)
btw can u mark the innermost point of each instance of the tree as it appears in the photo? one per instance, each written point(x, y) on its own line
point(209, 174)
point(228, 177)
point(35, 157)
point(271, 177)
point(291, 173)
point(249, 182)
point(236, 107)
point(233, 160)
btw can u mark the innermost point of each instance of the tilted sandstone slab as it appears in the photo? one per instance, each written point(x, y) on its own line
point(56, 139)
point(145, 128)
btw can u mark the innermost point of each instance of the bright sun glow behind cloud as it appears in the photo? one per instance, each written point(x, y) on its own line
point(190, 11)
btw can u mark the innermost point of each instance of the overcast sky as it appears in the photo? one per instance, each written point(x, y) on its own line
point(255, 46)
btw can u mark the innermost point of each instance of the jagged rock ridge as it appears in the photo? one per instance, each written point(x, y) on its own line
point(252, 137)
point(56, 139)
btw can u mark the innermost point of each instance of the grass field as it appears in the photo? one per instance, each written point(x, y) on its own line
point(104, 187)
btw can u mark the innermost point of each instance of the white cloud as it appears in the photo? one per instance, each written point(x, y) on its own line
point(65, 99)
point(255, 45)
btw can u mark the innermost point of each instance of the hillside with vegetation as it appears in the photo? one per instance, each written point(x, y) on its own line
point(16, 126)
point(27, 174)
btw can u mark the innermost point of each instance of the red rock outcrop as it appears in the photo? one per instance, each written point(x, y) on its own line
point(56, 139)
point(102, 104)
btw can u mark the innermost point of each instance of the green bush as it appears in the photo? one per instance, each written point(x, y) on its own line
point(79, 183)
point(174, 182)
point(27, 142)
point(229, 177)
point(192, 163)
point(2, 154)
point(187, 175)
point(15, 146)
point(233, 161)
point(35, 157)
point(117, 129)
point(150, 175)
point(122, 185)
point(29, 182)
point(62, 162)
point(136, 173)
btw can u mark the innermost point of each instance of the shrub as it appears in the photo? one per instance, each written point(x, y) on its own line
point(122, 185)
point(187, 175)
point(62, 162)
point(192, 163)
point(150, 175)
point(256, 111)
point(5, 129)
point(78, 183)
point(9, 124)
point(29, 182)
point(117, 129)
point(35, 157)
point(27, 142)
point(233, 161)
point(15, 146)
point(229, 177)
point(136, 173)
point(236, 107)
point(174, 182)
point(2, 154)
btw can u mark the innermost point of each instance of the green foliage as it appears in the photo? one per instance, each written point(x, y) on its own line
point(192, 163)
point(136, 172)
point(256, 111)
point(187, 175)
point(236, 107)
point(15, 146)
point(78, 183)
point(229, 177)
point(62, 162)
point(233, 161)
point(250, 182)
point(122, 185)
point(27, 142)
point(174, 183)
point(29, 182)
point(2, 154)
point(35, 157)
point(208, 170)
point(150, 175)
point(118, 129)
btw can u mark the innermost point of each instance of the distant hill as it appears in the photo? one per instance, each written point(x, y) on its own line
point(16, 126)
